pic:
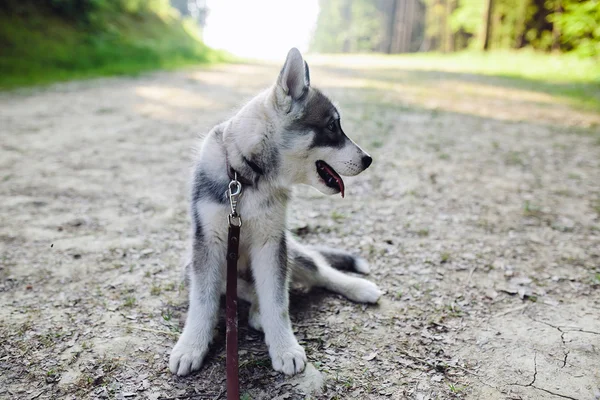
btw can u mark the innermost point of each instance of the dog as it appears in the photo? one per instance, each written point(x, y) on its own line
point(288, 134)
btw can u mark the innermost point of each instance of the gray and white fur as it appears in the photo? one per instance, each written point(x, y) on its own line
point(289, 134)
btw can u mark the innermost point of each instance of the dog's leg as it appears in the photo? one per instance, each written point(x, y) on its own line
point(270, 271)
point(205, 286)
point(311, 267)
point(246, 292)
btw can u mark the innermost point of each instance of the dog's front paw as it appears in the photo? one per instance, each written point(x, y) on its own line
point(186, 358)
point(364, 291)
point(289, 359)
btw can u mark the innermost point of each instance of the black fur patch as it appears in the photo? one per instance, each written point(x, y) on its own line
point(326, 138)
point(206, 187)
point(258, 165)
point(339, 260)
point(283, 266)
point(317, 113)
point(198, 261)
point(303, 261)
point(258, 170)
point(197, 227)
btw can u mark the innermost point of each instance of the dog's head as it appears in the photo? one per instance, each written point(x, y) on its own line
point(314, 148)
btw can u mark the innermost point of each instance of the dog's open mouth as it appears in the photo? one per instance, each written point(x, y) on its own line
point(329, 176)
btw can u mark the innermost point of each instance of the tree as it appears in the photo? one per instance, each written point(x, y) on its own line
point(487, 25)
point(579, 25)
point(348, 26)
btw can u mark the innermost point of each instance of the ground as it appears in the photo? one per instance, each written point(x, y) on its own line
point(480, 217)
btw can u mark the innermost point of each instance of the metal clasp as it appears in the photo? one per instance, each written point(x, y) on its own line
point(234, 192)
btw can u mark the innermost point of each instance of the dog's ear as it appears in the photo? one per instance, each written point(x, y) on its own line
point(294, 78)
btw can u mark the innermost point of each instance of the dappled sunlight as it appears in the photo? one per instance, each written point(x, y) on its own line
point(474, 95)
point(522, 64)
point(174, 97)
point(485, 90)
point(171, 104)
point(156, 111)
point(238, 76)
point(497, 103)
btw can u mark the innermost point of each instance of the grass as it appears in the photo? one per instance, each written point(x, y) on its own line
point(532, 210)
point(40, 48)
point(337, 217)
point(155, 290)
point(515, 158)
point(423, 232)
point(445, 257)
point(567, 76)
point(455, 388)
point(129, 301)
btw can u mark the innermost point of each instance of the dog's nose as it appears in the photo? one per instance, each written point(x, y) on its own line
point(366, 161)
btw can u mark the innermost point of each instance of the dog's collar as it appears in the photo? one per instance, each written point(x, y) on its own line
point(232, 174)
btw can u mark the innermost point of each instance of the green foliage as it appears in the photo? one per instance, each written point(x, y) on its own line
point(329, 33)
point(467, 16)
point(365, 31)
point(363, 25)
point(569, 78)
point(505, 20)
point(84, 38)
point(519, 23)
point(84, 8)
point(348, 26)
point(580, 26)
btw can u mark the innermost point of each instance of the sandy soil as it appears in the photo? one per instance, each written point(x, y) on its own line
point(480, 216)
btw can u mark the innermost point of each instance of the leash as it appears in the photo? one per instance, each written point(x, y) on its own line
point(231, 300)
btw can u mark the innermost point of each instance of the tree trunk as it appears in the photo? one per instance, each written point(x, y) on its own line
point(411, 16)
point(488, 25)
point(556, 28)
point(442, 26)
point(392, 27)
point(521, 28)
point(405, 32)
point(449, 35)
point(347, 17)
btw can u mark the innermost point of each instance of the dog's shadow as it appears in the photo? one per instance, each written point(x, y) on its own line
point(302, 305)
point(253, 350)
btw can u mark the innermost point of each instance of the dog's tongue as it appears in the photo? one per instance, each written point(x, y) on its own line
point(338, 179)
point(340, 183)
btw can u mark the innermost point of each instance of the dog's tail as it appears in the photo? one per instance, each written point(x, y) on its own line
point(321, 266)
point(342, 260)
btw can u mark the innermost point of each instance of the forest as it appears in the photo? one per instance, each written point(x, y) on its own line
point(401, 26)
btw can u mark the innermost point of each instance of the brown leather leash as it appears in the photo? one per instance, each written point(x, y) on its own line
point(231, 300)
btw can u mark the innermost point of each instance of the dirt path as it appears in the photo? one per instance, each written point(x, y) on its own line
point(480, 216)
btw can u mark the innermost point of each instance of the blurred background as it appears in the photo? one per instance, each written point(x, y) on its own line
point(51, 40)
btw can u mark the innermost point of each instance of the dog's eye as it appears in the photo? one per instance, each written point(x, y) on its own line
point(331, 126)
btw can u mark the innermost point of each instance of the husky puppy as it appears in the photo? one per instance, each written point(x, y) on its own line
point(288, 134)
